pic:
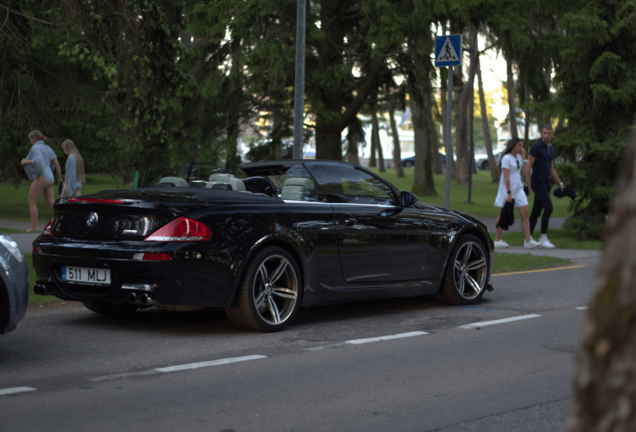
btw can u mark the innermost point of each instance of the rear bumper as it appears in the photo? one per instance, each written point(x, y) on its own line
point(199, 274)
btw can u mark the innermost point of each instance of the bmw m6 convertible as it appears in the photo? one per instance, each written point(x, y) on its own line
point(261, 243)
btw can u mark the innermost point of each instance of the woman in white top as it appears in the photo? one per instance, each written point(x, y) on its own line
point(75, 176)
point(511, 166)
point(39, 166)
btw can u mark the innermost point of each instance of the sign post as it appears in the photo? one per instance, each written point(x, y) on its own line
point(448, 52)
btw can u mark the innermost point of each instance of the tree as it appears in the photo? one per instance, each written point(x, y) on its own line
point(494, 171)
point(596, 76)
point(605, 381)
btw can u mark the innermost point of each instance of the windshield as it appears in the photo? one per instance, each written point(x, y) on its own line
point(195, 174)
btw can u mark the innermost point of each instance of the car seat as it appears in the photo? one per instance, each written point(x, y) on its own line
point(297, 189)
point(225, 182)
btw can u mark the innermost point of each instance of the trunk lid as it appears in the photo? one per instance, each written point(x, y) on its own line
point(122, 215)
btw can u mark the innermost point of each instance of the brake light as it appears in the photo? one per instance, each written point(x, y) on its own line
point(182, 229)
point(35, 249)
point(94, 201)
point(47, 229)
point(152, 256)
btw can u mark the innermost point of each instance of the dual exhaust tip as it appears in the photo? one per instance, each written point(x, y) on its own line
point(143, 299)
point(146, 299)
point(39, 289)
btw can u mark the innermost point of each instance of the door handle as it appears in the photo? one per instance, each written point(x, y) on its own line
point(348, 220)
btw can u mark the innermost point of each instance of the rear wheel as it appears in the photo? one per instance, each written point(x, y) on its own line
point(466, 272)
point(269, 293)
point(484, 165)
point(408, 164)
point(108, 308)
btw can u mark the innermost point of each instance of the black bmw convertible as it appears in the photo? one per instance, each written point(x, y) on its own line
point(259, 243)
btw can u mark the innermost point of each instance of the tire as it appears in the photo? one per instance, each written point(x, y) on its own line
point(108, 308)
point(484, 165)
point(408, 164)
point(269, 293)
point(466, 271)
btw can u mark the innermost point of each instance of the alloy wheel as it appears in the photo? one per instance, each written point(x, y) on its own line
point(470, 270)
point(275, 289)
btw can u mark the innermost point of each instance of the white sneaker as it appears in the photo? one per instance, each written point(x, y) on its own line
point(501, 244)
point(531, 244)
point(545, 243)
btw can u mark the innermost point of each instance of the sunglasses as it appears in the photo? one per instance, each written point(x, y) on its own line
point(517, 160)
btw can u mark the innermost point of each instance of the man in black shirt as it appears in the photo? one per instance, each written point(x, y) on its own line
point(541, 161)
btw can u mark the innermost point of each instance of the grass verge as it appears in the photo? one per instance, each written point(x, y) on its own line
point(14, 198)
point(483, 193)
point(508, 262)
point(11, 231)
point(561, 238)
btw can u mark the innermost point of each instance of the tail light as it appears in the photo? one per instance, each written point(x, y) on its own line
point(152, 256)
point(94, 201)
point(182, 229)
point(47, 229)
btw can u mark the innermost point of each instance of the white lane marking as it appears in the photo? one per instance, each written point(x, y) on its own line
point(500, 321)
point(122, 375)
point(209, 363)
point(13, 390)
point(383, 338)
point(582, 308)
point(368, 340)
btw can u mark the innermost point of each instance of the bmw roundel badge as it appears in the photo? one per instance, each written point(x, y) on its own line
point(92, 219)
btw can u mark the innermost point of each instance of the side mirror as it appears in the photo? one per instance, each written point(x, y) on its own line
point(408, 199)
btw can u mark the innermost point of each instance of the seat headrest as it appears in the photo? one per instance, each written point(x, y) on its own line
point(177, 181)
point(235, 183)
point(298, 181)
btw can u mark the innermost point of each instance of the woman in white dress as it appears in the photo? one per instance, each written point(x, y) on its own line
point(512, 165)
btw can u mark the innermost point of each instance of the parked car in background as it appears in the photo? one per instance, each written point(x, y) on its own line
point(481, 160)
point(260, 243)
point(409, 162)
point(14, 284)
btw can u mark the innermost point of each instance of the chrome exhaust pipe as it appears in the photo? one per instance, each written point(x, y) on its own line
point(39, 289)
point(133, 298)
point(147, 300)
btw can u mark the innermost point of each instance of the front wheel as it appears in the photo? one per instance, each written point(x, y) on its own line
point(269, 293)
point(484, 166)
point(466, 272)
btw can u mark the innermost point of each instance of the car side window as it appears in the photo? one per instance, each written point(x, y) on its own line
point(345, 184)
point(297, 185)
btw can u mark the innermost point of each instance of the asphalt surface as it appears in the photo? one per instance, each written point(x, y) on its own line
point(431, 367)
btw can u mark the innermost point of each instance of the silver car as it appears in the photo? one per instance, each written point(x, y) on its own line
point(481, 160)
point(14, 284)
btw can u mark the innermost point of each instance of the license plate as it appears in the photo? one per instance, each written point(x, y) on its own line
point(87, 276)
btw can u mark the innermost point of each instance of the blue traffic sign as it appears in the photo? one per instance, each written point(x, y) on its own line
point(448, 50)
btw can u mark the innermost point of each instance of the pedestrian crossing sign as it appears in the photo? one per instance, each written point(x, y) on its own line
point(448, 50)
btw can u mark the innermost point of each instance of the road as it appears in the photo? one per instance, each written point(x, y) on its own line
point(401, 365)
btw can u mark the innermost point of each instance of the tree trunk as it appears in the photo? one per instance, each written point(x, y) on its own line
point(494, 171)
point(397, 152)
point(512, 106)
point(352, 141)
point(432, 134)
point(464, 98)
point(526, 111)
point(375, 137)
point(423, 182)
point(605, 377)
point(331, 143)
